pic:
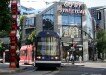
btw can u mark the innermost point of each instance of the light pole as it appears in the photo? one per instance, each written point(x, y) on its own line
point(92, 42)
point(72, 49)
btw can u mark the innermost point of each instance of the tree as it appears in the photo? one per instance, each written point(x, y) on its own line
point(20, 30)
point(31, 37)
point(2, 48)
point(5, 16)
point(101, 43)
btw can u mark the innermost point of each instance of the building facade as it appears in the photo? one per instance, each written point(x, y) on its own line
point(26, 11)
point(99, 14)
point(73, 22)
point(29, 25)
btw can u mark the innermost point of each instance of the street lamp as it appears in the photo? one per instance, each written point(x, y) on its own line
point(72, 50)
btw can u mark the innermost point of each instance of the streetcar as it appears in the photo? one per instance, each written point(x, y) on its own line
point(48, 53)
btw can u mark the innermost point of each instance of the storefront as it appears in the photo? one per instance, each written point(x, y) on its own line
point(72, 21)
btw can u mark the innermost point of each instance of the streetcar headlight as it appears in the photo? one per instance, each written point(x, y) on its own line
point(52, 57)
point(43, 57)
point(56, 57)
point(38, 57)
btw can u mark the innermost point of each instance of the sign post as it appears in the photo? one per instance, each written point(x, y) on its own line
point(13, 38)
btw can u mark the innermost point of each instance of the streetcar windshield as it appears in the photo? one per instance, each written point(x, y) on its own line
point(48, 46)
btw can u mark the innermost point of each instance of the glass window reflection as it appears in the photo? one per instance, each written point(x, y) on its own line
point(71, 19)
point(48, 46)
point(48, 20)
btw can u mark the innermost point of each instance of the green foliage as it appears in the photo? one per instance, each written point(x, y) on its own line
point(101, 41)
point(20, 30)
point(1, 46)
point(32, 36)
point(5, 16)
point(3, 34)
point(28, 41)
point(21, 26)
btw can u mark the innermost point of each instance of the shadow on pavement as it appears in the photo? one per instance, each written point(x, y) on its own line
point(46, 69)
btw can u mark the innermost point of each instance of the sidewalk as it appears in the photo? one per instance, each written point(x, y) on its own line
point(4, 68)
point(93, 64)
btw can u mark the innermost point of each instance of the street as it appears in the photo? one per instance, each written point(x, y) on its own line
point(67, 69)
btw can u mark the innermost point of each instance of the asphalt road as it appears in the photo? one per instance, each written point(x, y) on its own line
point(68, 69)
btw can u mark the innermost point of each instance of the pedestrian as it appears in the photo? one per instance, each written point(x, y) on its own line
point(2, 51)
point(80, 59)
point(72, 58)
point(77, 58)
point(67, 59)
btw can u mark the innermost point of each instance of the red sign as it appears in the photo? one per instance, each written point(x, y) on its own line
point(72, 8)
point(72, 11)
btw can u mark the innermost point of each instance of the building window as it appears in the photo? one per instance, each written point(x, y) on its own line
point(71, 31)
point(71, 19)
point(30, 21)
point(48, 20)
point(89, 26)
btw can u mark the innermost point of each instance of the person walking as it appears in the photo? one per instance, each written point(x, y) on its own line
point(80, 59)
point(72, 58)
point(67, 58)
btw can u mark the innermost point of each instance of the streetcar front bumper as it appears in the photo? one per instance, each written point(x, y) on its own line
point(48, 63)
